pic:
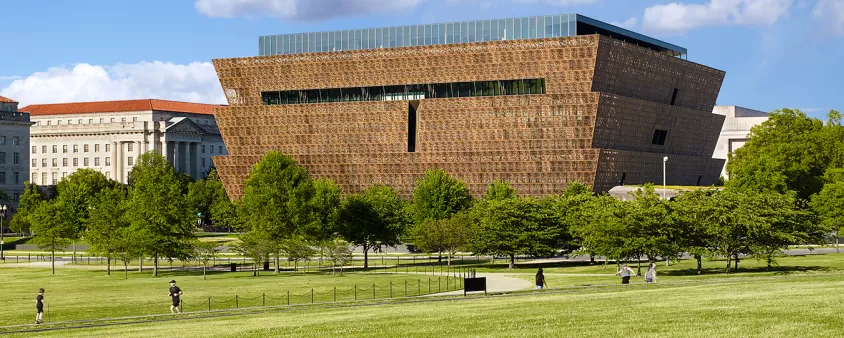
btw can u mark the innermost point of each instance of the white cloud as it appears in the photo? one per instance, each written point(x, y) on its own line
point(679, 18)
point(9, 78)
point(194, 82)
point(301, 9)
point(628, 24)
point(560, 3)
point(831, 12)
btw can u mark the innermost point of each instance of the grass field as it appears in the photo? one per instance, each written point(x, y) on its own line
point(796, 305)
point(83, 294)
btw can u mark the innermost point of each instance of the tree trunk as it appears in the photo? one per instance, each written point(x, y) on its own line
point(699, 265)
point(141, 267)
point(204, 266)
point(108, 266)
point(365, 257)
point(737, 260)
point(837, 248)
point(53, 259)
point(591, 259)
point(440, 257)
point(155, 266)
point(276, 264)
point(729, 262)
point(449, 259)
point(295, 266)
point(125, 270)
point(512, 261)
point(73, 258)
point(639, 265)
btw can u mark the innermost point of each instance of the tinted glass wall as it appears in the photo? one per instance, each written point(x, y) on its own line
point(407, 92)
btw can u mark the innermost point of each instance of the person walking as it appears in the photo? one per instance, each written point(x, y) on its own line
point(39, 305)
point(540, 280)
point(650, 275)
point(175, 292)
point(625, 273)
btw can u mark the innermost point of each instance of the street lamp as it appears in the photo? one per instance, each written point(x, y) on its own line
point(2, 243)
point(664, 160)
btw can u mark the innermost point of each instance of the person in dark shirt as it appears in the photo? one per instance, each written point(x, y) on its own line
point(625, 273)
point(175, 292)
point(39, 305)
point(540, 280)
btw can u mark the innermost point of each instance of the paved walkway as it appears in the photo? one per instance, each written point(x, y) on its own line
point(496, 282)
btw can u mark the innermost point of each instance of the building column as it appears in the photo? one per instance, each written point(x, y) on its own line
point(121, 164)
point(176, 155)
point(114, 174)
point(188, 157)
point(140, 151)
point(164, 152)
point(197, 165)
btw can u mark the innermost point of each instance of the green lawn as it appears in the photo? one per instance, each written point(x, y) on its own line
point(793, 305)
point(75, 294)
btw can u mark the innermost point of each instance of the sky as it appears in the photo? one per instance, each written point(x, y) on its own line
point(776, 53)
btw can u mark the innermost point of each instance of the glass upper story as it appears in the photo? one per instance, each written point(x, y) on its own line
point(535, 27)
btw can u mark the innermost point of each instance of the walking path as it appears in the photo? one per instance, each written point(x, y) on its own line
point(496, 282)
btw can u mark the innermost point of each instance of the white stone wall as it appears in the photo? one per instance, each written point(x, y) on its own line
point(14, 155)
point(734, 133)
point(112, 142)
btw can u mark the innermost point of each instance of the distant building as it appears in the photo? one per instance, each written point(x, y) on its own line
point(736, 130)
point(109, 136)
point(14, 141)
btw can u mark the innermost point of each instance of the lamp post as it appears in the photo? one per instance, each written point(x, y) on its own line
point(2, 242)
point(664, 160)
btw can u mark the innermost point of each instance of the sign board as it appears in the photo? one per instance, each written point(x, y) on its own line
point(474, 284)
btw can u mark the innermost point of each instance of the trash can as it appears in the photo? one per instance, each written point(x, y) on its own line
point(266, 266)
point(234, 267)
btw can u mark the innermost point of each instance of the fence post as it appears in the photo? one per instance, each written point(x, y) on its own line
point(180, 305)
point(263, 299)
point(405, 287)
point(429, 285)
point(335, 294)
point(373, 290)
point(397, 264)
point(288, 298)
point(391, 289)
point(418, 287)
point(439, 286)
point(312, 295)
point(209, 303)
point(236, 305)
point(356, 292)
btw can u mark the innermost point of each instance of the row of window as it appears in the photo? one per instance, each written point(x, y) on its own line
point(101, 120)
point(55, 177)
point(86, 148)
point(16, 177)
point(16, 140)
point(407, 92)
point(75, 162)
point(16, 158)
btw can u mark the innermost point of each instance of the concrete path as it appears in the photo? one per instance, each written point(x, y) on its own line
point(496, 282)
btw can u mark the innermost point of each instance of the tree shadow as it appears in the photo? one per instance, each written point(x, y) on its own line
point(779, 270)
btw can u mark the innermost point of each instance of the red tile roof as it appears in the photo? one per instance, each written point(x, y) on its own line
point(7, 100)
point(119, 106)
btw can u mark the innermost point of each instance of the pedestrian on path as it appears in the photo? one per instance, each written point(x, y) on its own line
point(625, 273)
point(540, 280)
point(650, 276)
point(39, 305)
point(175, 292)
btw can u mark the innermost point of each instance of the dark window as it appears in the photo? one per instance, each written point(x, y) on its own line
point(411, 126)
point(623, 176)
point(674, 96)
point(698, 180)
point(659, 137)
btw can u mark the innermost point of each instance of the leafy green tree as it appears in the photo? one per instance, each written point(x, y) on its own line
point(445, 235)
point(326, 208)
point(276, 200)
point(576, 189)
point(105, 222)
point(780, 221)
point(79, 192)
point(829, 206)
point(50, 228)
point(439, 196)
point(205, 252)
point(499, 190)
point(29, 202)
point(125, 247)
point(692, 214)
point(256, 247)
point(297, 249)
point(598, 228)
point(158, 210)
point(515, 226)
point(374, 219)
point(786, 152)
point(650, 229)
point(340, 254)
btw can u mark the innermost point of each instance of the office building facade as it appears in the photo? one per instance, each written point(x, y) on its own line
point(563, 99)
point(109, 137)
point(736, 130)
point(14, 142)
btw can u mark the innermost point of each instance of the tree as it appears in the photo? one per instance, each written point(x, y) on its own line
point(106, 222)
point(829, 203)
point(650, 228)
point(781, 220)
point(51, 231)
point(786, 152)
point(125, 245)
point(31, 199)
point(79, 193)
point(158, 210)
point(598, 229)
point(339, 253)
point(297, 249)
point(692, 214)
point(205, 252)
point(256, 247)
point(499, 190)
point(439, 196)
point(374, 219)
point(445, 235)
point(516, 226)
point(325, 204)
point(276, 200)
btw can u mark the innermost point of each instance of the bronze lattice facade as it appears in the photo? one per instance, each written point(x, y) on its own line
point(609, 113)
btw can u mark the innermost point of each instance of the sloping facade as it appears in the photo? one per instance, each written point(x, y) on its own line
point(605, 115)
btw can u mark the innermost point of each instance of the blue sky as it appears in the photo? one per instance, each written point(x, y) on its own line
point(777, 53)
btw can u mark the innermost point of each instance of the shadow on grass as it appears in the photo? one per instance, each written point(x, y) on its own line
point(779, 270)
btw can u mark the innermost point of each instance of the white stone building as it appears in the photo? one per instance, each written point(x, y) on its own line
point(736, 130)
point(14, 158)
point(109, 136)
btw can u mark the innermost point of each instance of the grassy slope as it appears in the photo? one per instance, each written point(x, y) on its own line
point(784, 305)
point(82, 294)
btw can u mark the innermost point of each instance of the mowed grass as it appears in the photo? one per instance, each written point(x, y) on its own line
point(773, 306)
point(74, 294)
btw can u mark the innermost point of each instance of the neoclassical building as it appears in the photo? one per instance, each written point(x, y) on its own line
point(109, 136)
point(14, 141)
